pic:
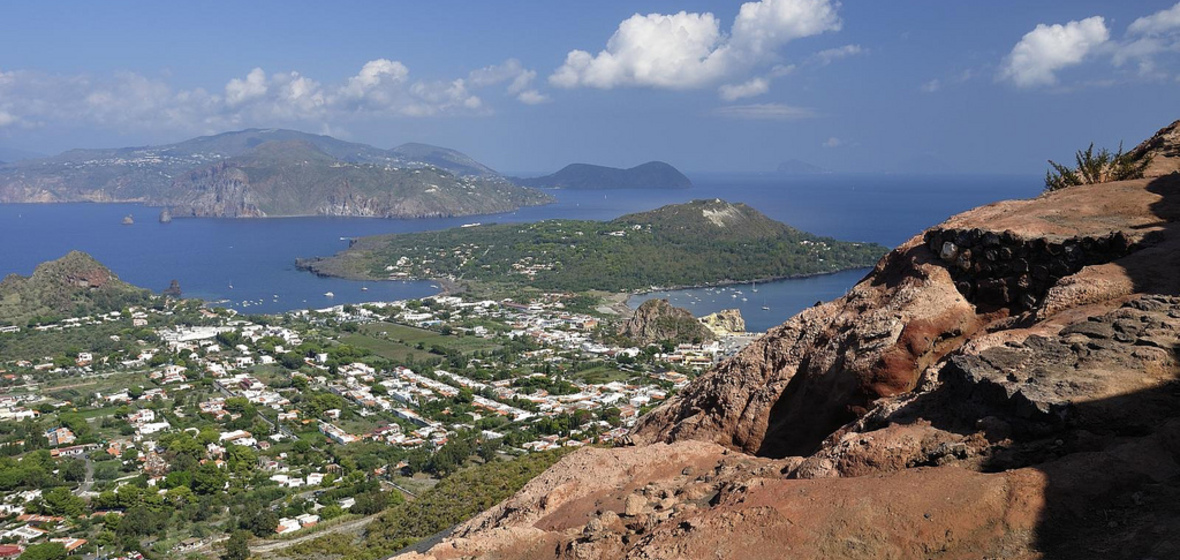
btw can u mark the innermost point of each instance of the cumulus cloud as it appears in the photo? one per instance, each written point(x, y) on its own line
point(833, 142)
point(764, 111)
point(532, 97)
point(381, 88)
point(1048, 49)
point(1042, 53)
point(689, 50)
point(1149, 37)
point(1159, 23)
point(752, 88)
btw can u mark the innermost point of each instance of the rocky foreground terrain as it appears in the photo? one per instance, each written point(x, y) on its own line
point(1004, 385)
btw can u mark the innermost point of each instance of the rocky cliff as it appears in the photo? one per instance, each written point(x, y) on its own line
point(724, 322)
point(656, 320)
point(1003, 385)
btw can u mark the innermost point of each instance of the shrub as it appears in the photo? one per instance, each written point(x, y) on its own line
point(1101, 167)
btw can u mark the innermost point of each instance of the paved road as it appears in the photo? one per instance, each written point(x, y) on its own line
point(88, 483)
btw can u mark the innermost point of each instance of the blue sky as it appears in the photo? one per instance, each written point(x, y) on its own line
point(863, 86)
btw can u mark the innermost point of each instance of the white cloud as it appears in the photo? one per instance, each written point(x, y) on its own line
point(519, 78)
point(752, 88)
point(762, 27)
point(827, 56)
point(127, 101)
point(239, 91)
point(1153, 35)
point(764, 111)
point(1159, 23)
point(532, 97)
point(1044, 51)
point(833, 142)
point(689, 50)
point(932, 86)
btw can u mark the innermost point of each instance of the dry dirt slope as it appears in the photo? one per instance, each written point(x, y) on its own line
point(1004, 385)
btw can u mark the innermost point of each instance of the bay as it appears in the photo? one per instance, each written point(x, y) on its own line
point(256, 256)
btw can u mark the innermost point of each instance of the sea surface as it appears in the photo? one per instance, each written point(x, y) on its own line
point(249, 264)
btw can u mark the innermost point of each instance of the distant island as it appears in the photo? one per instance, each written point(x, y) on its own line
point(799, 167)
point(271, 172)
point(703, 242)
point(651, 175)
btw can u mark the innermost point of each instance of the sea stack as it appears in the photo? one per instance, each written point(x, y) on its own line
point(165, 216)
point(173, 290)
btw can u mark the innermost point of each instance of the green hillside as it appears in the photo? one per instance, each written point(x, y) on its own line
point(74, 285)
point(698, 243)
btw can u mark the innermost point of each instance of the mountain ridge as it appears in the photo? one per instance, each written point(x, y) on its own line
point(650, 175)
point(172, 175)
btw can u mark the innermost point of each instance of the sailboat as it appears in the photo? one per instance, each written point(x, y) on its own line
point(754, 287)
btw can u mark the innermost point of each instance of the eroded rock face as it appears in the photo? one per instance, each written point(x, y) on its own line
point(657, 320)
point(947, 407)
point(725, 322)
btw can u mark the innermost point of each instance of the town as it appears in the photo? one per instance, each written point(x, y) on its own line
point(180, 424)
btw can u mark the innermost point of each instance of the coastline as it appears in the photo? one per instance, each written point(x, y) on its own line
point(645, 291)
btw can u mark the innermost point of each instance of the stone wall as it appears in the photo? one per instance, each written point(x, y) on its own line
point(1002, 270)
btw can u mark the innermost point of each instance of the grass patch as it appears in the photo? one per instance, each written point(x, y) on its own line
point(395, 342)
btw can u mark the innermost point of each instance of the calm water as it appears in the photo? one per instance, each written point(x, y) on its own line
point(257, 257)
point(782, 299)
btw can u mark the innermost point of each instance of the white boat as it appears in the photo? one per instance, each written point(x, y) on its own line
point(329, 294)
point(766, 308)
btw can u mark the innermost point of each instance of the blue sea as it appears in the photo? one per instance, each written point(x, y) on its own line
point(249, 264)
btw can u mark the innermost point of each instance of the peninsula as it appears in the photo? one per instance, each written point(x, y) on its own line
point(703, 242)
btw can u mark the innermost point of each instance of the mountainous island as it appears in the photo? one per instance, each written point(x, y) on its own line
point(75, 284)
point(271, 172)
point(1003, 385)
point(583, 176)
point(698, 243)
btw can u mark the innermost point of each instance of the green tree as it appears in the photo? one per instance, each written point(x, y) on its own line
point(44, 551)
point(238, 546)
point(209, 479)
point(60, 501)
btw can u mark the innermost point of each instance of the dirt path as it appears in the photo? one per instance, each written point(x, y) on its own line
point(271, 546)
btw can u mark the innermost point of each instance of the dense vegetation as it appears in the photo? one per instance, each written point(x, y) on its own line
point(702, 242)
point(453, 500)
point(1101, 167)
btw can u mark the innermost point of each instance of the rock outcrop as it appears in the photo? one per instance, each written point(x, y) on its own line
point(724, 322)
point(656, 320)
point(75, 284)
point(1003, 385)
